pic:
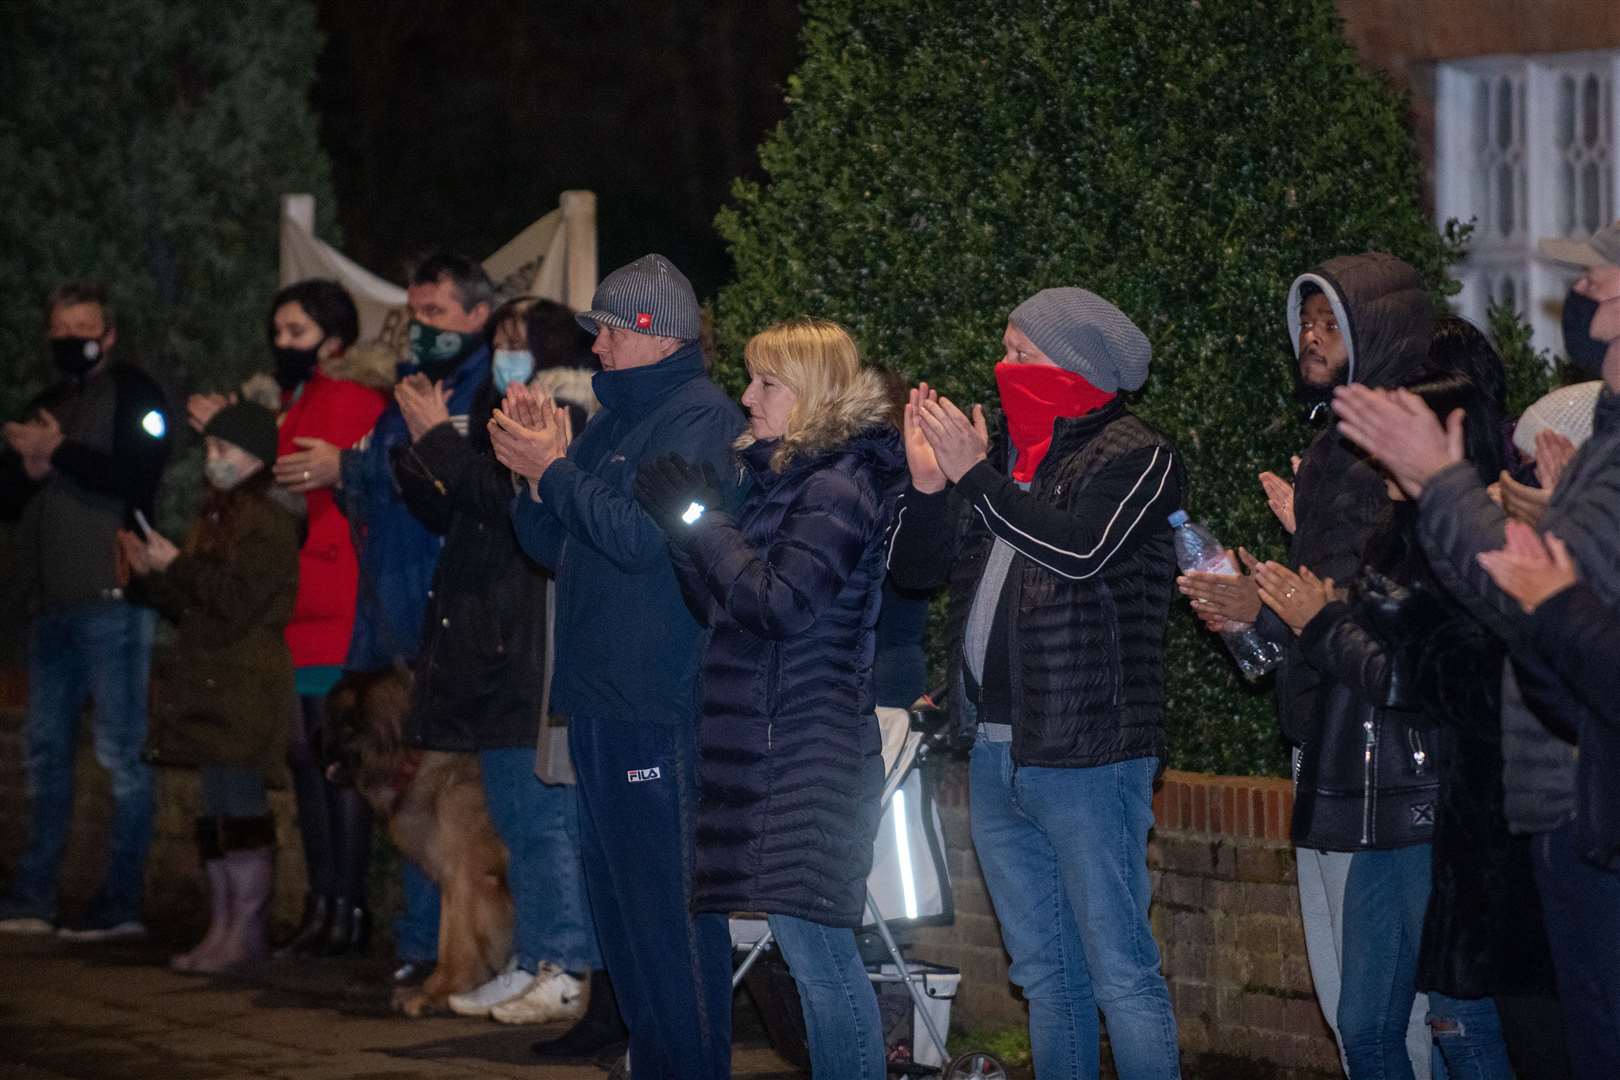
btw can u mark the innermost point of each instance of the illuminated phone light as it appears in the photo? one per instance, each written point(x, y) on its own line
point(154, 424)
point(902, 841)
point(693, 512)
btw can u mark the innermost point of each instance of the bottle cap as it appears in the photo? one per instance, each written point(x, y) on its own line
point(1178, 519)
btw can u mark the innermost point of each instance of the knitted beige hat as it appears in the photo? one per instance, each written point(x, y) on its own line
point(1566, 410)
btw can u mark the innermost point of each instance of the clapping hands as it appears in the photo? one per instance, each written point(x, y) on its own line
point(1295, 597)
point(529, 433)
point(942, 443)
point(1529, 568)
point(35, 440)
point(424, 404)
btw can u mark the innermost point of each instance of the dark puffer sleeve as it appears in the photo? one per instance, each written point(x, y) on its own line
point(813, 553)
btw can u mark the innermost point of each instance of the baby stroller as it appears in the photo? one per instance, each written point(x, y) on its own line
point(909, 885)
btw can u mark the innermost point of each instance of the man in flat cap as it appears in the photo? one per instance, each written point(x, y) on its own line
point(628, 652)
point(1055, 542)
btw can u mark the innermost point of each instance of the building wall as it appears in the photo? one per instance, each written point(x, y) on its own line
point(1406, 39)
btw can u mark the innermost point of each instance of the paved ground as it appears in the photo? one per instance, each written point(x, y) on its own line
point(116, 1012)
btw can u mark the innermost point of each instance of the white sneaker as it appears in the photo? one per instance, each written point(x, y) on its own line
point(504, 987)
point(555, 995)
point(128, 930)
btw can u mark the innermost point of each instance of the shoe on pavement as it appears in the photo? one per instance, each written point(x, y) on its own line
point(411, 973)
point(481, 1000)
point(103, 930)
point(25, 924)
point(601, 1032)
point(554, 996)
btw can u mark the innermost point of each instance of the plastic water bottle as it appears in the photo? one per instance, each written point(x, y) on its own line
point(1198, 550)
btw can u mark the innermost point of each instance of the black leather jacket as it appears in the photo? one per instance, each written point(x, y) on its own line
point(1367, 776)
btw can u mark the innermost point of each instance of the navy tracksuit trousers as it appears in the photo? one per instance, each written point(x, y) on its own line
point(671, 969)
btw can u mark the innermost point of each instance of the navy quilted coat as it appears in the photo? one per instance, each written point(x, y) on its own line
point(789, 766)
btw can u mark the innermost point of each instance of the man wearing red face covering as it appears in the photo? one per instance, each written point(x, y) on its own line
point(1056, 546)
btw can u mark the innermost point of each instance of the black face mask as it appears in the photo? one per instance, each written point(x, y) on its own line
point(293, 366)
point(74, 356)
point(1584, 351)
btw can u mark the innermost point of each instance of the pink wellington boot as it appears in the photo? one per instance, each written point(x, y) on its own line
point(219, 917)
point(250, 872)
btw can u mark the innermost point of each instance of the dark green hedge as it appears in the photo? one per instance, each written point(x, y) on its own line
point(942, 159)
point(147, 143)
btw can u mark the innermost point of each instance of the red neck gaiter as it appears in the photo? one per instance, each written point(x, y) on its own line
point(1036, 396)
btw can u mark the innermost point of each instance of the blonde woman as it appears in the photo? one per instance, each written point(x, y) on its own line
point(787, 570)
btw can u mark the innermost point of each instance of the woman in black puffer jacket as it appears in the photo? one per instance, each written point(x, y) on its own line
point(790, 583)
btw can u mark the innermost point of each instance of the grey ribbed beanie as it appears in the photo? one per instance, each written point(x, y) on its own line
point(1084, 333)
point(649, 296)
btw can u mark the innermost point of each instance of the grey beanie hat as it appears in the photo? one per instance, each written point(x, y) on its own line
point(648, 296)
point(1083, 333)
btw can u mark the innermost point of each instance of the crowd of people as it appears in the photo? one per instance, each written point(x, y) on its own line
point(661, 624)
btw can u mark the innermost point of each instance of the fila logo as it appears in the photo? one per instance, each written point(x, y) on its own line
point(636, 776)
point(643, 320)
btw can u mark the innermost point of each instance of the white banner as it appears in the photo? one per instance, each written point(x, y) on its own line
point(554, 258)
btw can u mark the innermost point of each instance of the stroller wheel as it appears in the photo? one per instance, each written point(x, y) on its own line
point(976, 1065)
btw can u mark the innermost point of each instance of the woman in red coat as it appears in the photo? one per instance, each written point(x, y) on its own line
point(326, 409)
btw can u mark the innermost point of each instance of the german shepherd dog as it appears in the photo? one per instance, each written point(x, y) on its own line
point(434, 805)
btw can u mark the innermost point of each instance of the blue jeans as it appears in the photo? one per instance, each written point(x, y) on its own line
point(1580, 905)
point(101, 652)
point(539, 824)
point(671, 969)
point(416, 931)
point(840, 1007)
point(1064, 854)
point(1385, 895)
point(1468, 1035)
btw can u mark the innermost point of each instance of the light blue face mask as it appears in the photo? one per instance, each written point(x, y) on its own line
point(512, 366)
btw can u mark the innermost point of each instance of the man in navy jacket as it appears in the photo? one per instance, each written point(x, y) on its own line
point(628, 652)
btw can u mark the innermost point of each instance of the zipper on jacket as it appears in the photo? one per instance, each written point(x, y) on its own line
point(1368, 752)
point(1420, 756)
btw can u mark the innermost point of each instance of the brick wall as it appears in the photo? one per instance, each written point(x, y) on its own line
point(1225, 912)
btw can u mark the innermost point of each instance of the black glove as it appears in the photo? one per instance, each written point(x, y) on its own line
point(678, 493)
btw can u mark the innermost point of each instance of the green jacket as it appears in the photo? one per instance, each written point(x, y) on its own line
point(223, 693)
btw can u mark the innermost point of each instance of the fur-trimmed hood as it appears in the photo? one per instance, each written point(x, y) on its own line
point(862, 406)
point(570, 386)
point(369, 363)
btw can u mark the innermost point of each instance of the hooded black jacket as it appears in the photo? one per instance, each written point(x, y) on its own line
point(1339, 498)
